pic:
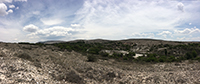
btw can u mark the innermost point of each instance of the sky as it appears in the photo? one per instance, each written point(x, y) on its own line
point(43, 20)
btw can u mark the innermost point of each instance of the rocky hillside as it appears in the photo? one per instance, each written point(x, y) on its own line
point(50, 64)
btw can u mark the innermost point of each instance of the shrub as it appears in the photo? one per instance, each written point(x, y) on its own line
point(194, 54)
point(92, 58)
point(162, 59)
point(105, 54)
point(151, 55)
point(198, 58)
point(94, 50)
point(131, 54)
point(23, 43)
point(111, 56)
point(25, 56)
point(191, 55)
point(117, 54)
point(188, 56)
point(141, 58)
point(165, 51)
point(171, 59)
point(151, 59)
point(166, 45)
point(125, 58)
point(181, 58)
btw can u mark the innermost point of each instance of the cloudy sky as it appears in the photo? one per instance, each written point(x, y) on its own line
point(41, 20)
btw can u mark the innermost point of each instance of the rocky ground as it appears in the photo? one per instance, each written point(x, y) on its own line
point(35, 64)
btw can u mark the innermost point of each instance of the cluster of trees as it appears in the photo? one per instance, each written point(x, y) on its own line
point(119, 56)
point(189, 46)
point(27, 43)
point(92, 48)
point(155, 58)
point(164, 58)
point(191, 55)
point(81, 47)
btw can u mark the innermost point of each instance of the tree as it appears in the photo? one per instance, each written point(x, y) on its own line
point(165, 51)
point(188, 56)
point(194, 54)
point(191, 55)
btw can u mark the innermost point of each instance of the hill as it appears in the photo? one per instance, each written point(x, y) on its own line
point(100, 61)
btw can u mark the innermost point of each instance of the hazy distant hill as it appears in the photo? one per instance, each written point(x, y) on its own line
point(51, 42)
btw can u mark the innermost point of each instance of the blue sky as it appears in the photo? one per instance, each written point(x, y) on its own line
point(41, 20)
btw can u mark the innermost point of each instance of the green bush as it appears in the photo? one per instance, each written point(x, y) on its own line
point(194, 54)
point(104, 54)
point(151, 59)
point(131, 54)
point(162, 59)
point(151, 55)
point(94, 50)
point(117, 54)
point(125, 58)
point(191, 55)
point(111, 56)
point(141, 58)
point(165, 51)
point(197, 58)
point(181, 58)
point(171, 59)
point(188, 56)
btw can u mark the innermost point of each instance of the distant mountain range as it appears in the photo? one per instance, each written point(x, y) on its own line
point(52, 42)
point(105, 40)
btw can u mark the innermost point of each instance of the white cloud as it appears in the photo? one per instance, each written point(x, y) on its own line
point(53, 32)
point(30, 28)
point(180, 6)
point(16, 8)
point(36, 12)
point(165, 34)
point(8, 34)
point(3, 9)
point(188, 31)
point(190, 23)
point(11, 6)
point(22, 0)
point(143, 35)
point(183, 38)
point(123, 17)
point(48, 21)
point(75, 25)
point(9, 1)
point(10, 11)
